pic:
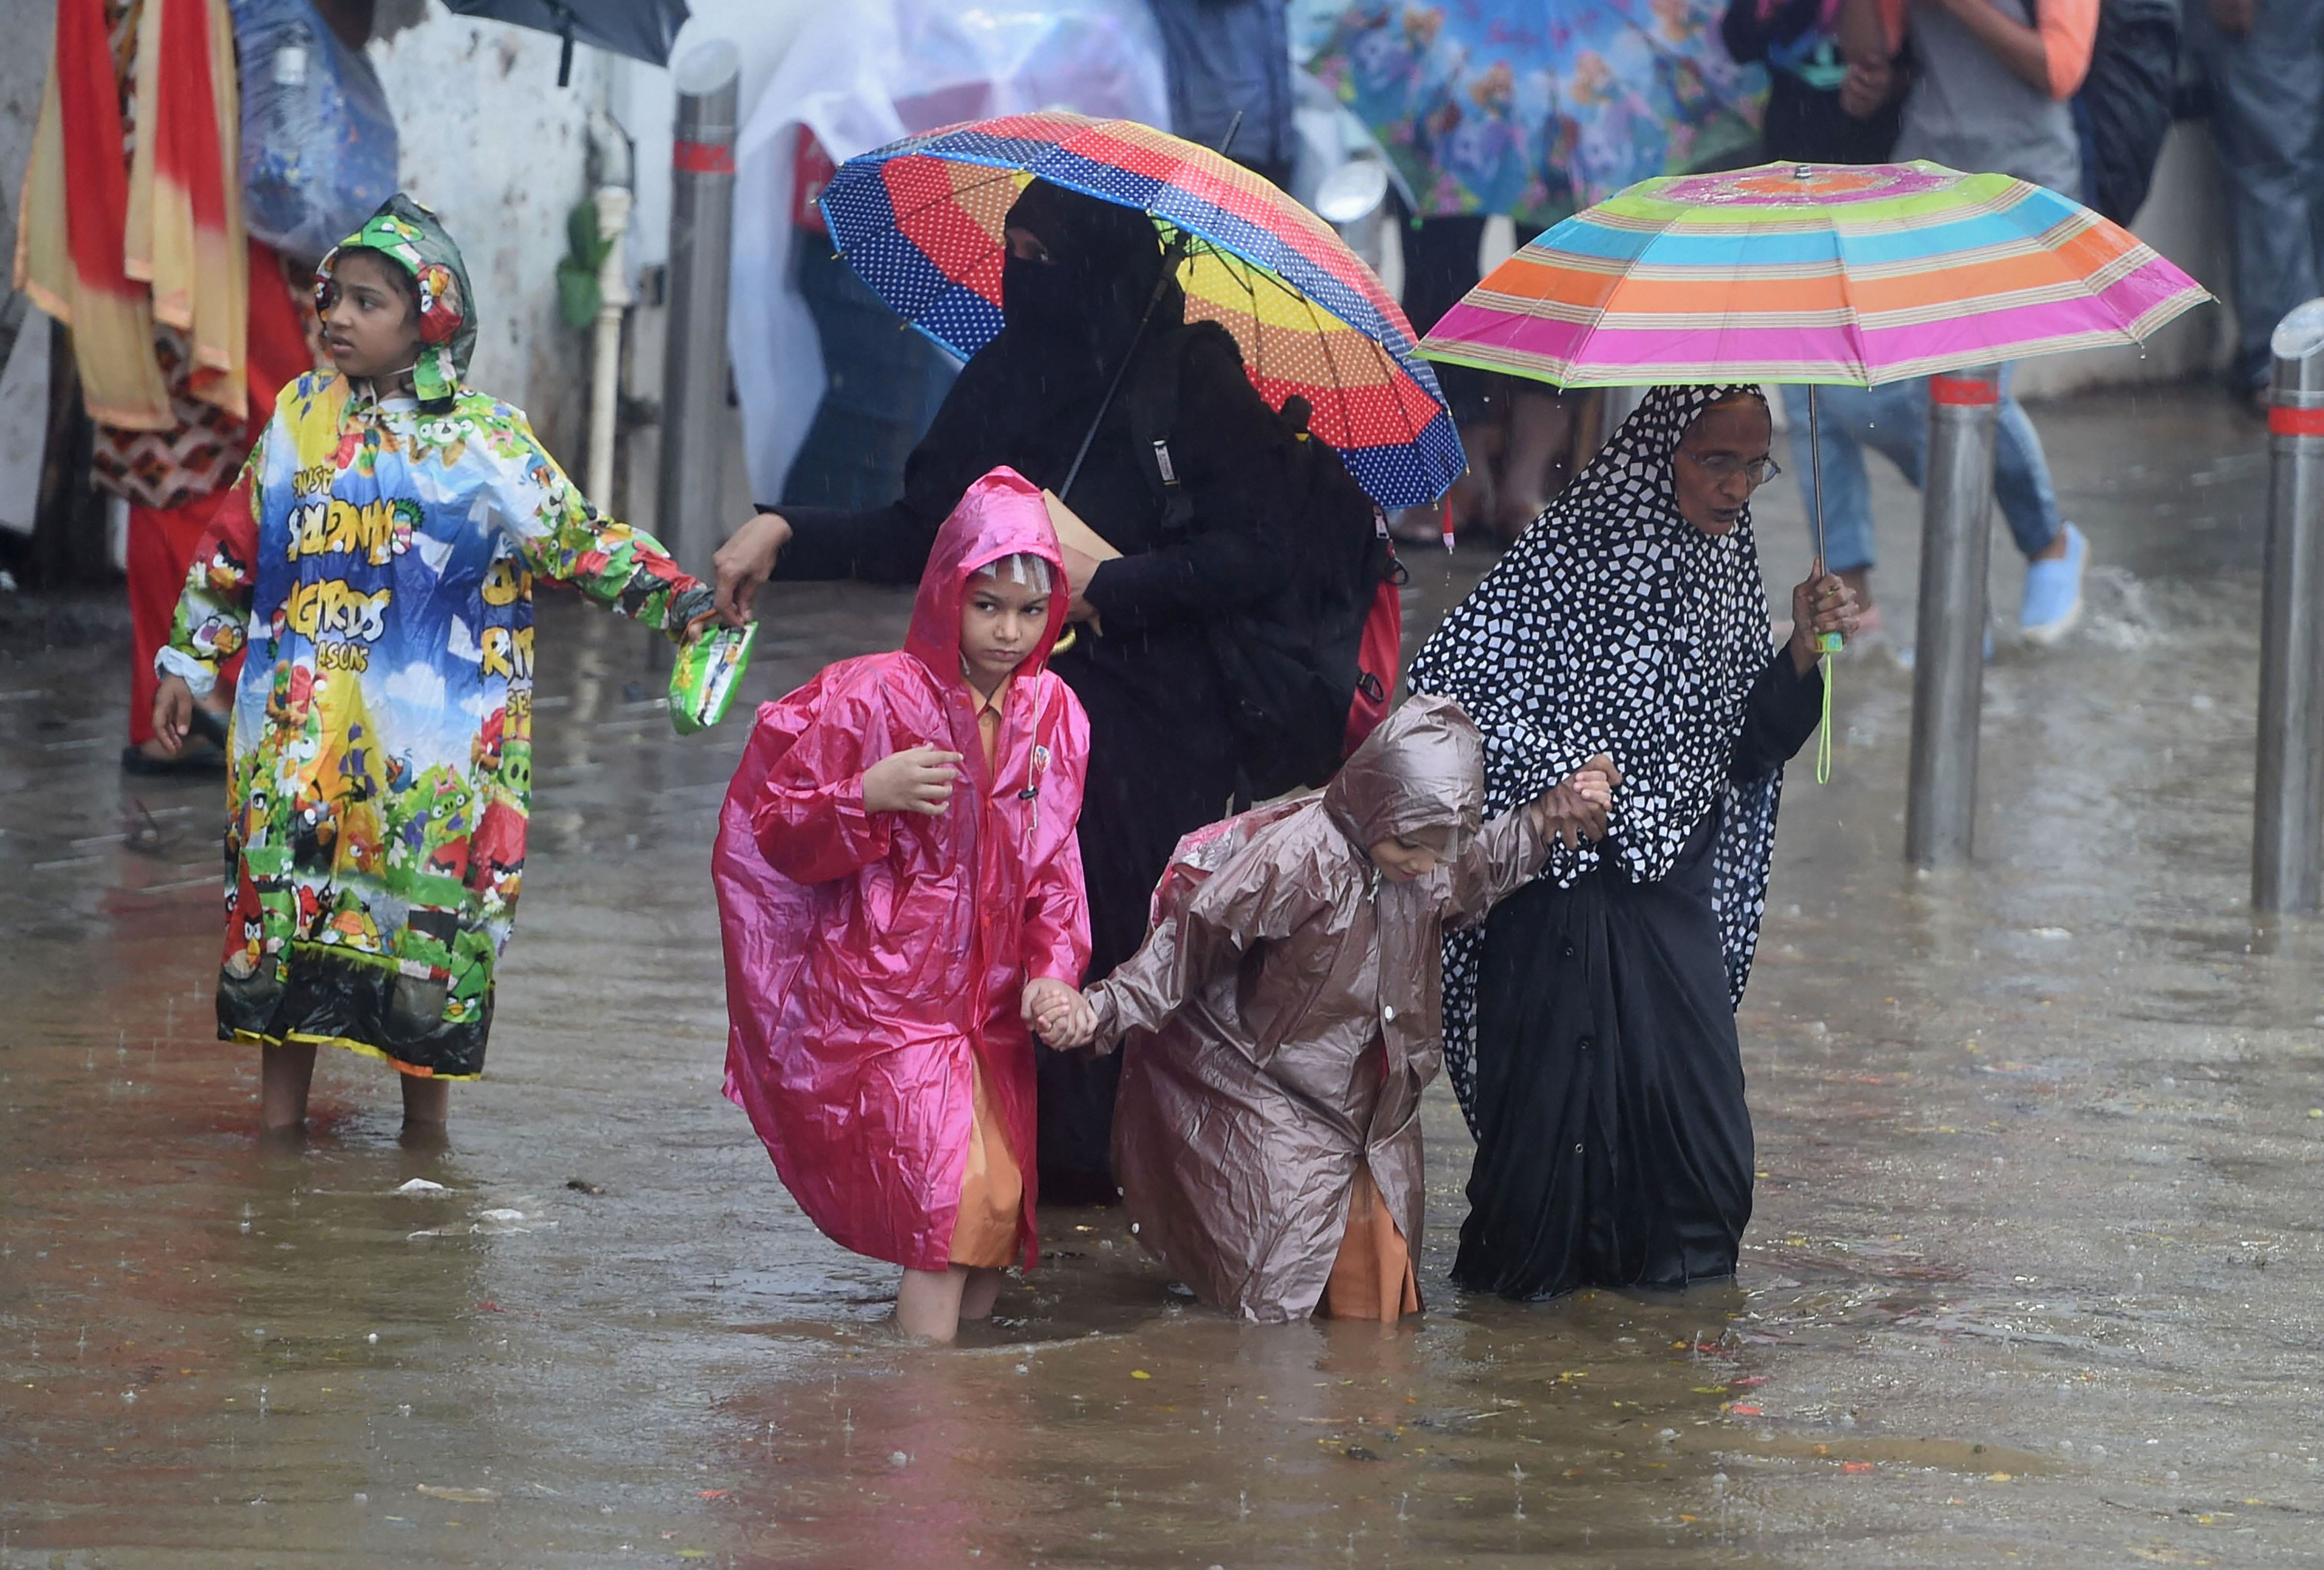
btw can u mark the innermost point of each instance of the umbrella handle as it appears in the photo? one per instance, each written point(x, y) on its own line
point(1826, 642)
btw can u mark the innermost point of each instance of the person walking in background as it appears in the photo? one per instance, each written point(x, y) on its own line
point(1229, 63)
point(2265, 63)
point(1517, 434)
point(1822, 107)
point(901, 895)
point(1987, 91)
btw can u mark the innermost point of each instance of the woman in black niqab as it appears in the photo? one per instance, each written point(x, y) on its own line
point(1079, 277)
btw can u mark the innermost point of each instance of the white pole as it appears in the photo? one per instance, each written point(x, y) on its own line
point(605, 352)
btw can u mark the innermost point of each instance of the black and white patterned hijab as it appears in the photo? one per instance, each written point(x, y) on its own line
point(1614, 626)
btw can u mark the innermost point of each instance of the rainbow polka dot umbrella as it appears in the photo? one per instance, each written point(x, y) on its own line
point(921, 220)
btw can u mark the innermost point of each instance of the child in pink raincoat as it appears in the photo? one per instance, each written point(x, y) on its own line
point(900, 894)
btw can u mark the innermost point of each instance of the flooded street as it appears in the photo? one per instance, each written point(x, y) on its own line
point(2036, 1276)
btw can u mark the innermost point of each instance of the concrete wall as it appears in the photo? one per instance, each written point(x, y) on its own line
point(498, 148)
point(29, 25)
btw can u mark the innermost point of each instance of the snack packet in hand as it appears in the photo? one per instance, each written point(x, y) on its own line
point(708, 670)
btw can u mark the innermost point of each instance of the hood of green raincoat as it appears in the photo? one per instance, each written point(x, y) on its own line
point(1424, 768)
point(417, 240)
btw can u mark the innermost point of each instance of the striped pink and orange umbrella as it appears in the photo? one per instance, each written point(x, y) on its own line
point(1812, 274)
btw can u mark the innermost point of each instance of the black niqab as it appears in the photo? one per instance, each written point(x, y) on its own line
point(1073, 318)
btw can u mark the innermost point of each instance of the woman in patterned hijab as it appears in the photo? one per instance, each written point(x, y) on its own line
point(1591, 1027)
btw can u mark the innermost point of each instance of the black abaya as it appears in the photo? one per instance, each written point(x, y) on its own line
point(1613, 1144)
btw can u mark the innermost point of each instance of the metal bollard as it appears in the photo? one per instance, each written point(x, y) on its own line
point(2288, 796)
point(1949, 664)
point(694, 364)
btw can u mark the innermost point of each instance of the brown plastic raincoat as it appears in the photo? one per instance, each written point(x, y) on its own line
point(1283, 1016)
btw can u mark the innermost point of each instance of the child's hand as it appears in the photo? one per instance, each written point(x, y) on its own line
point(916, 780)
point(1576, 810)
point(173, 713)
point(1058, 1014)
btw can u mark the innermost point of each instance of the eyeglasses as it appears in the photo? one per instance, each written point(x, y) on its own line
point(1723, 467)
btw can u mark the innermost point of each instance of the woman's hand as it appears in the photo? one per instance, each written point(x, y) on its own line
point(743, 562)
point(1059, 1014)
point(1576, 810)
point(1080, 567)
point(173, 715)
point(1823, 604)
point(916, 780)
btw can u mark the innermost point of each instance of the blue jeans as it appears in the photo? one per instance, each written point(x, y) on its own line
point(1893, 421)
point(2267, 121)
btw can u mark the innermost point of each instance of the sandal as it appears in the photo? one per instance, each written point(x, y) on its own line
point(192, 762)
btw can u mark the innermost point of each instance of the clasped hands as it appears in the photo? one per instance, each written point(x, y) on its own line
point(1059, 1014)
point(1577, 808)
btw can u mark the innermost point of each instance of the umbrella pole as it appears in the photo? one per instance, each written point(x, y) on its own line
point(1827, 644)
point(1171, 259)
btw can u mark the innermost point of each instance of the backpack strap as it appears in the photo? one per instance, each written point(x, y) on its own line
point(1151, 401)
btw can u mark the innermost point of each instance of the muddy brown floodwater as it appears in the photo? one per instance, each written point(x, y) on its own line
point(2034, 1278)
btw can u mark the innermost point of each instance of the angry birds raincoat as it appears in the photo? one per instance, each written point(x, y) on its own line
point(378, 557)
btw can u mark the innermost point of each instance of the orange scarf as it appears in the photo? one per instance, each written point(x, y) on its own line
point(109, 251)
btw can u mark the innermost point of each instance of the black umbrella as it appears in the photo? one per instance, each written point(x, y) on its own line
point(640, 29)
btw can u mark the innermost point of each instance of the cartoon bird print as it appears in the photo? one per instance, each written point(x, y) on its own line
point(496, 854)
point(441, 307)
point(219, 634)
point(222, 571)
point(484, 751)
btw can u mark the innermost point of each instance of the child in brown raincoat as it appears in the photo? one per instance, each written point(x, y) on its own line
point(1282, 1019)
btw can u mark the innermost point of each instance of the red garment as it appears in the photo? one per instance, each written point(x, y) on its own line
point(868, 956)
point(162, 540)
point(111, 247)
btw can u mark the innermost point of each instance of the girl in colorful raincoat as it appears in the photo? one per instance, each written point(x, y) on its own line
point(888, 937)
point(1282, 1019)
point(379, 565)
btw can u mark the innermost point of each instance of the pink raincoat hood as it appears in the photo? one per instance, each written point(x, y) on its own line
point(1001, 515)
